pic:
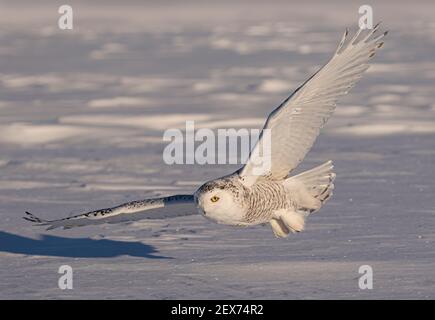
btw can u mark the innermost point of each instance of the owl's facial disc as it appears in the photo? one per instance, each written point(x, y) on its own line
point(219, 205)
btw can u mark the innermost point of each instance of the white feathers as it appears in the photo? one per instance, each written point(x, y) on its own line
point(296, 123)
point(158, 208)
point(225, 209)
point(309, 190)
point(244, 199)
point(279, 228)
point(312, 188)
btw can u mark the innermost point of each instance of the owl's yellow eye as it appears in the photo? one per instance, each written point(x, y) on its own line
point(214, 199)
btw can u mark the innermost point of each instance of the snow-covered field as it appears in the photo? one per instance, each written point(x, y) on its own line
point(82, 114)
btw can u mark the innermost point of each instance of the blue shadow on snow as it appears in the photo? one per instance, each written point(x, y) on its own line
point(74, 247)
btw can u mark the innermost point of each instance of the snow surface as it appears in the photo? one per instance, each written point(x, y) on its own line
point(82, 114)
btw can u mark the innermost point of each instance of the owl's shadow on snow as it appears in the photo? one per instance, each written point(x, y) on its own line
point(75, 247)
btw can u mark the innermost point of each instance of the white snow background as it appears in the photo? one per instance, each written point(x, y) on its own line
point(82, 114)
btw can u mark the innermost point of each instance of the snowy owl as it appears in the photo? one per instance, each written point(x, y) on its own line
point(246, 197)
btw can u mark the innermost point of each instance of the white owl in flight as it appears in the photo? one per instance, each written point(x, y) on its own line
point(248, 197)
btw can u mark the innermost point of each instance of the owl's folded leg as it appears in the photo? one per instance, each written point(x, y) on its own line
point(279, 228)
point(294, 221)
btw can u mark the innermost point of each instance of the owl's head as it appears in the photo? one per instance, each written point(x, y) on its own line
point(220, 201)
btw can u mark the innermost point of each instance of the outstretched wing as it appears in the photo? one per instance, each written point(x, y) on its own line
point(295, 124)
point(158, 208)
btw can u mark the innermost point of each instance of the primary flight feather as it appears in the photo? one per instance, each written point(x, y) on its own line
point(253, 195)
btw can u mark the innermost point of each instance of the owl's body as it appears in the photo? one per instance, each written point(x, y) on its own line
point(254, 195)
point(284, 203)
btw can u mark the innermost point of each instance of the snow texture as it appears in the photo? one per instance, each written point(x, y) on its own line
point(82, 115)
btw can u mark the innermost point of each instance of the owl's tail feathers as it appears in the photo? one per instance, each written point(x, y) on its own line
point(312, 188)
point(309, 190)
